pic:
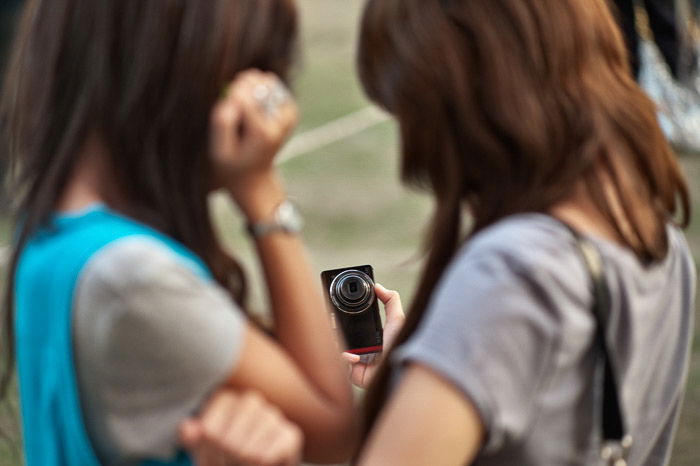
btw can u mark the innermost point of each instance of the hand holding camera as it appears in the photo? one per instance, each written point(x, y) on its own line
point(361, 373)
point(352, 297)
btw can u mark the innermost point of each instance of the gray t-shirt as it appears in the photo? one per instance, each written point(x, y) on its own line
point(510, 325)
point(152, 339)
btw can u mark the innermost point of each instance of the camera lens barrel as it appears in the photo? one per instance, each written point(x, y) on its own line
point(352, 291)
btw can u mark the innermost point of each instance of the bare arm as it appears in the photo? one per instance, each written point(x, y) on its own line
point(301, 371)
point(426, 421)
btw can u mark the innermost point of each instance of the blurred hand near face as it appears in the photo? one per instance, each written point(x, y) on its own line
point(247, 128)
point(241, 429)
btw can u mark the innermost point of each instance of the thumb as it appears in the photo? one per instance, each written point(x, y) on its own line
point(392, 303)
point(190, 433)
point(350, 357)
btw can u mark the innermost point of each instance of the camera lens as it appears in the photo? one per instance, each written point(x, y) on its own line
point(352, 291)
point(351, 288)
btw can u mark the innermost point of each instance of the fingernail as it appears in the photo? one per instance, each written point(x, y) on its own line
point(189, 432)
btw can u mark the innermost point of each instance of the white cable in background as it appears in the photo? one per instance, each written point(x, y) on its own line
point(332, 132)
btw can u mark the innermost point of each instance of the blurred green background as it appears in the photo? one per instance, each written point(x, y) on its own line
point(356, 212)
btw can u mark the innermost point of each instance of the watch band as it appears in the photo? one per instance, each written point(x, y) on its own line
point(285, 219)
point(256, 230)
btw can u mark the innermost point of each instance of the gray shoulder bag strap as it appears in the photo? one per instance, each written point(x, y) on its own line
point(616, 441)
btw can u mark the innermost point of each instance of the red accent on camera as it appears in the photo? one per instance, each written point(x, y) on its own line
point(369, 349)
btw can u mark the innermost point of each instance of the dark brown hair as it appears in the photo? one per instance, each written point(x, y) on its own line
point(505, 106)
point(143, 75)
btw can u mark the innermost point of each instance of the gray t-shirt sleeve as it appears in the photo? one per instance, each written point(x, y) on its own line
point(152, 340)
point(489, 330)
point(511, 327)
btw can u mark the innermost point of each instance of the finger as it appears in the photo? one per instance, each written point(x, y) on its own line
point(277, 120)
point(217, 415)
point(249, 411)
point(391, 300)
point(285, 448)
point(268, 426)
point(225, 120)
point(395, 316)
point(356, 369)
point(350, 357)
point(192, 437)
point(288, 110)
point(262, 136)
point(361, 375)
point(190, 433)
point(289, 117)
point(252, 113)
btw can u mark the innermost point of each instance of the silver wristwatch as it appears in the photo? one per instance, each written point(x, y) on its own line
point(285, 219)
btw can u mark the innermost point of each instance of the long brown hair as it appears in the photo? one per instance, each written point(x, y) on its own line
point(504, 107)
point(143, 75)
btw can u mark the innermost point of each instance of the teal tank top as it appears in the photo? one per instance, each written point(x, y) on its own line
point(46, 276)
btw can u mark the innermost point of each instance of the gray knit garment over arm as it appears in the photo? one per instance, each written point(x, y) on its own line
point(152, 340)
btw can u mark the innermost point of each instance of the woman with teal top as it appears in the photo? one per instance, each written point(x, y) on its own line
point(124, 314)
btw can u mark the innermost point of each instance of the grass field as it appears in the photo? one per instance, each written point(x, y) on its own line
point(356, 212)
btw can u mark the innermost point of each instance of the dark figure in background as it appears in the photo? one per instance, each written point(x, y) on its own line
point(8, 12)
point(663, 24)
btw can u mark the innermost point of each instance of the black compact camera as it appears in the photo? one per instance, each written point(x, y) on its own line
point(354, 308)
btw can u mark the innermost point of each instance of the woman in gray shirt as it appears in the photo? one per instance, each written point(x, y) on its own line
point(524, 115)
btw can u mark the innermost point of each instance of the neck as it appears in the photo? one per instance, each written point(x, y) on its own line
point(583, 216)
point(90, 182)
point(581, 213)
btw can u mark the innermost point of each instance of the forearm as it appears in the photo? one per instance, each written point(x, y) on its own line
point(301, 323)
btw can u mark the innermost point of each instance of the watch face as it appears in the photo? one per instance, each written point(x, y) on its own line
point(289, 218)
